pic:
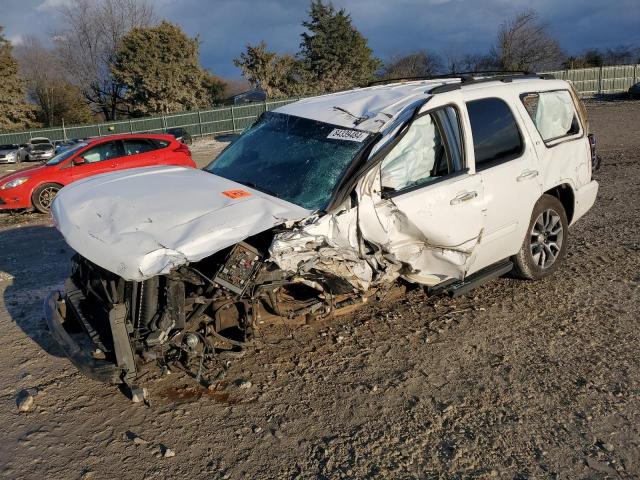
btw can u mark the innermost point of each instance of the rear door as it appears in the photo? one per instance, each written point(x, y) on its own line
point(507, 163)
point(428, 214)
point(142, 152)
point(101, 158)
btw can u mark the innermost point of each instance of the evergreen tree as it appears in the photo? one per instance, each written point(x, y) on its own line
point(277, 75)
point(334, 53)
point(160, 70)
point(15, 112)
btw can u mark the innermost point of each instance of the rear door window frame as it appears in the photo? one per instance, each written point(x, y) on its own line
point(507, 158)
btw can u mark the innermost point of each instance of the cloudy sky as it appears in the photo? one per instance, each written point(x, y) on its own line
point(392, 26)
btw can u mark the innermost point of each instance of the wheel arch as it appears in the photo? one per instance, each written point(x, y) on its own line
point(40, 184)
point(564, 193)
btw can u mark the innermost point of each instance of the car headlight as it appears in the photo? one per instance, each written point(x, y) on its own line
point(14, 183)
point(11, 155)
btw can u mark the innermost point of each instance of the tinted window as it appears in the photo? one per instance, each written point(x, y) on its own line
point(104, 151)
point(429, 150)
point(136, 146)
point(553, 113)
point(495, 133)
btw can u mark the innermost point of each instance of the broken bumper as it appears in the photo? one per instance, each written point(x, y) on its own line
point(80, 355)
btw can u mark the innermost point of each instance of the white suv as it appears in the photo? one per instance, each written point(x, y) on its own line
point(321, 205)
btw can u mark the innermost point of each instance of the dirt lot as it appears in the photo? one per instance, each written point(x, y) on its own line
point(518, 380)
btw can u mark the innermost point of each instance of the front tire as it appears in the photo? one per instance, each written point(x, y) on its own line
point(43, 196)
point(545, 245)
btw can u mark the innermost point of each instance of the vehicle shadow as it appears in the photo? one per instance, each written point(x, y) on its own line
point(34, 261)
point(227, 137)
point(612, 97)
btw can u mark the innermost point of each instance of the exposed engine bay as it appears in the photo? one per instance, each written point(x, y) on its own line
point(197, 311)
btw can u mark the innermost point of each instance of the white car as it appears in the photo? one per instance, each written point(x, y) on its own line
point(38, 149)
point(9, 153)
point(322, 205)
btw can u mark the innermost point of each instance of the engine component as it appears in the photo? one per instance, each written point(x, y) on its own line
point(239, 268)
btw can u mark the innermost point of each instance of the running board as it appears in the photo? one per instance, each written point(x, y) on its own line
point(457, 288)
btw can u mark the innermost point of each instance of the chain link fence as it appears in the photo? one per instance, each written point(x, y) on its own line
point(587, 81)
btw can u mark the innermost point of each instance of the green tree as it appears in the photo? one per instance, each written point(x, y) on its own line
point(15, 111)
point(215, 88)
point(277, 75)
point(160, 70)
point(334, 53)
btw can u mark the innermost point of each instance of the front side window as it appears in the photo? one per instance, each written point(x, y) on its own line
point(553, 114)
point(102, 152)
point(496, 137)
point(62, 156)
point(293, 158)
point(430, 149)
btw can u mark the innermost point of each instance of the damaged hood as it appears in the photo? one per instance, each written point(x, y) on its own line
point(144, 222)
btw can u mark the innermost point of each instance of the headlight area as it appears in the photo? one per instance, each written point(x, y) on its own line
point(14, 183)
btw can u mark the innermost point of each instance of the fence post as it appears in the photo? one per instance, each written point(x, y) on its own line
point(99, 132)
point(265, 104)
point(64, 131)
point(600, 81)
point(130, 126)
point(200, 123)
point(233, 118)
point(635, 73)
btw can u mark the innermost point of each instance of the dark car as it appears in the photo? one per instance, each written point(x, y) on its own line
point(634, 90)
point(181, 135)
point(61, 146)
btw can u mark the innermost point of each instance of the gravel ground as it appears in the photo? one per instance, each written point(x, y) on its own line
point(517, 380)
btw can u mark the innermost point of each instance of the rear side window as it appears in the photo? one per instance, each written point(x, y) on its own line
point(553, 114)
point(139, 145)
point(496, 137)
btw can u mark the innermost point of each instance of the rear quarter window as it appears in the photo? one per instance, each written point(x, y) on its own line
point(553, 114)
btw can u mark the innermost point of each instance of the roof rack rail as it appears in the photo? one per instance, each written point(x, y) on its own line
point(471, 79)
point(463, 76)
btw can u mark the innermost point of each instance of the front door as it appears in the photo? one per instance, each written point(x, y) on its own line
point(428, 212)
point(101, 158)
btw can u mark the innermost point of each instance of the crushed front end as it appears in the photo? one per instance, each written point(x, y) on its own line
point(110, 327)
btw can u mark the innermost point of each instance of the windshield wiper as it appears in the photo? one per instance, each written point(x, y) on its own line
point(259, 188)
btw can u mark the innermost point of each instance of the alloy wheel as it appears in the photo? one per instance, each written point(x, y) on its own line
point(546, 238)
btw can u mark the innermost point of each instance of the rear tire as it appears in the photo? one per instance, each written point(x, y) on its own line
point(545, 244)
point(43, 196)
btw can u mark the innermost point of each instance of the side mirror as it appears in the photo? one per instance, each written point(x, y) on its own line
point(78, 161)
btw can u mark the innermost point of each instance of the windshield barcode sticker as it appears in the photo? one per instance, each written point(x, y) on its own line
point(350, 135)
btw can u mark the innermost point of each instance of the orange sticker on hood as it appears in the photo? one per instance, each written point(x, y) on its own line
point(239, 193)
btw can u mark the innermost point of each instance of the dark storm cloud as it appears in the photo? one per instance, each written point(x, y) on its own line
point(392, 26)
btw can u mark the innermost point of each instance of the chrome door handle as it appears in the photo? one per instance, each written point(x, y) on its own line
point(463, 197)
point(527, 174)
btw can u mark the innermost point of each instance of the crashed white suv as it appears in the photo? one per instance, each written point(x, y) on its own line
point(322, 205)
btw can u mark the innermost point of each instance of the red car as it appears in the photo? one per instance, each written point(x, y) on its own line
point(37, 186)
